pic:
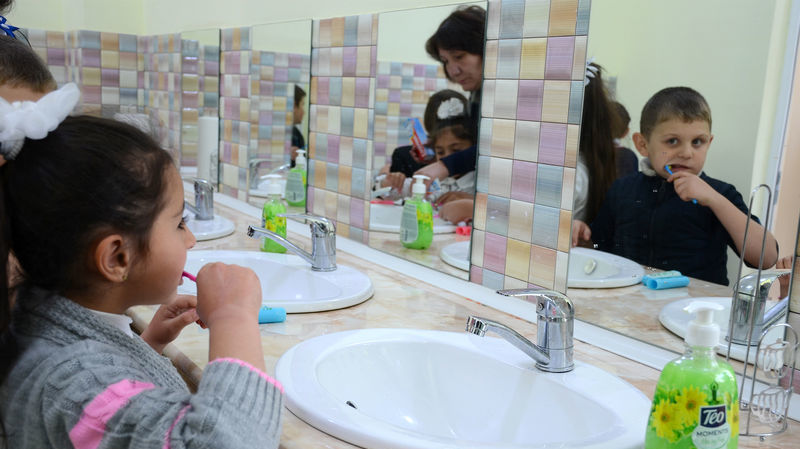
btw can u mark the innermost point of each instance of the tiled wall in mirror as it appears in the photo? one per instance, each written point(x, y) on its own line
point(199, 98)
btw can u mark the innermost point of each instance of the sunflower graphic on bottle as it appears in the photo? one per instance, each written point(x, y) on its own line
point(696, 404)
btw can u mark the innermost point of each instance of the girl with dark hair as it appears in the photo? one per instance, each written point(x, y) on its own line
point(92, 210)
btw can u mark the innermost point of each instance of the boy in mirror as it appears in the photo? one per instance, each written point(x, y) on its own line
point(671, 215)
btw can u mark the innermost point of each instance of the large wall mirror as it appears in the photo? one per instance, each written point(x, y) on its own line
point(280, 76)
point(200, 57)
point(408, 79)
point(734, 57)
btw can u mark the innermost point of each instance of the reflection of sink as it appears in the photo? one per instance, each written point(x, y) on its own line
point(287, 280)
point(589, 268)
point(261, 191)
point(674, 318)
point(386, 218)
point(404, 388)
point(209, 229)
point(456, 254)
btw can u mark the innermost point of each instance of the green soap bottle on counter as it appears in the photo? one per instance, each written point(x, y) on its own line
point(696, 403)
point(416, 224)
point(269, 215)
point(297, 181)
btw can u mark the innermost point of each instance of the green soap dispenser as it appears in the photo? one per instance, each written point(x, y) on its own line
point(416, 224)
point(696, 403)
point(297, 181)
point(269, 216)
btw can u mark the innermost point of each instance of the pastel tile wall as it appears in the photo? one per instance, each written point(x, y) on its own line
point(273, 77)
point(401, 92)
point(235, 92)
point(343, 67)
point(532, 95)
point(160, 87)
point(51, 46)
point(199, 93)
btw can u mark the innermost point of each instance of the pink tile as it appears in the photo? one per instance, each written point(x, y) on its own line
point(281, 74)
point(56, 56)
point(430, 84)
point(310, 198)
point(110, 77)
point(211, 67)
point(494, 255)
point(558, 64)
point(383, 81)
point(265, 118)
point(419, 70)
point(523, 181)
point(333, 148)
point(244, 86)
point(362, 92)
point(265, 88)
point(373, 60)
point(91, 94)
point(189, 65)
point(349, 61)
point(552, 143)
point(90, 58)
point(323, 90)
point(529, 100)
point(189, 99)
point(231, 110)
point(476, 274)
point(295, 60)
point(357, 212)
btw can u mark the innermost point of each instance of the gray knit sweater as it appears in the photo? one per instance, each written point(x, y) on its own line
point(81, 383)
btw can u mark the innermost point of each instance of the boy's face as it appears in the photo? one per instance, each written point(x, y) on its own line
point(299, 112)
point(447, 144)
point(681, 145)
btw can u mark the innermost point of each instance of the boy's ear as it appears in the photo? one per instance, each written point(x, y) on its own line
point(112, 258)
point(640, 143)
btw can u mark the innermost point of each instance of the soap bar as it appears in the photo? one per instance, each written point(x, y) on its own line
point(271, 315)
point(668, 282)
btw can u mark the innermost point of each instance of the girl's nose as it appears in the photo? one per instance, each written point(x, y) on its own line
point(191, 240)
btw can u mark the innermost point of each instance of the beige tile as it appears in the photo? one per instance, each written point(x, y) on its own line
point(579, 58)
point(562, 265)
point(526, 142)
point(314, 88)
point(573, 141)
point(567, 188)
point(348, 92)
point(479, 220)
point(503, 138)
point(532, 63)
point(537, 13)
point(343, 207)
point(345, 179)
point(500, 176)
point(563, 16)
point(319, 175)
point(478, 240)
point(337, 32)
point(331, 203)
point(364, 61)
point(90, 76)
point(361, 123)
point(518, 255)
point(490, 60)
point(109, 41)
point(555, 102)
point(319, 202)
point(509, 283)
point(542, 267)
point(564, 228)
point(109, 59)
point(520, 220)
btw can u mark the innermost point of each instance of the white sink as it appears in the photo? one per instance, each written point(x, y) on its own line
point(261, 190)
point(674, 318)
point(287, 280)
point(589, 268)
point(386, 218)
point(456, 254)
point(209, 229)
point(405, 388)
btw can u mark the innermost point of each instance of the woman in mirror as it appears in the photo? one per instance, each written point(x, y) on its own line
point(458, 45)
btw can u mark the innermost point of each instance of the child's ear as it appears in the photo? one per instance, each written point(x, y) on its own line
point(640, 143)
point(112, 258)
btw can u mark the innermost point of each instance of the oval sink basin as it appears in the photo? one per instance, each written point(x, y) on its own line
point(456, 255)
point(261, 190)
point(589, 268)
point(209, 229)
point(676, 320)
point(287, 280)
point(386, 218)
point(405, 388)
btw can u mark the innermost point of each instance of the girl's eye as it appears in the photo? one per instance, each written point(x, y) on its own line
point(182, 224)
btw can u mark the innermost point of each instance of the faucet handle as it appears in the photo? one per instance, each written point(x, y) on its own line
point(200, 184)
point(550, 304)
point(759, 286)
point(319, 225)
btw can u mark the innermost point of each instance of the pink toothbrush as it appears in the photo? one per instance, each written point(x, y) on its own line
point(193, 278)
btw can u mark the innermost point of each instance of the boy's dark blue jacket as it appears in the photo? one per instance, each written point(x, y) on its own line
point(644, 220)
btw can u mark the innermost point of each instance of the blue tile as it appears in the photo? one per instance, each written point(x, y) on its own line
point(408, 83)
point(321, 151)
point(497, 210)
point(332, 177)
point(127, 42)
point(347, 119)
point(482, 182)
point(210, 100)
point(264, 132)
point(311, 175)
point(335, 91)
point(512, 16)
point(575, 102)
point(358, 182)
point(545, 226)
point(360, 153)
point(89, 39)
point(188, 47)
point(211, 52)
point(492, 280)
point(381, 107)
point(350, 31)
point(548, 185)
point(397, 68)
point(582, 23)
point(280, 90)
point(295, 75)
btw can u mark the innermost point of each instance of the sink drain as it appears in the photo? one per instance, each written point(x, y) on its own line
point(350, 403)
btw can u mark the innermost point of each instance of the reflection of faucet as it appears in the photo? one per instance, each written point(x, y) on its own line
point(203, 199)
point(323, 241)
point(554, 329)
point(754, 293)
point(253, 164)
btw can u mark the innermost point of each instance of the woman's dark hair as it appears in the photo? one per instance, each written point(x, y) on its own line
point(597, 142)
point(464, 29)
point(88, 177)
point(430, 118)
point(299, 94)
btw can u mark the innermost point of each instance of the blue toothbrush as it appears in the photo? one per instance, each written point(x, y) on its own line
point(666, 167)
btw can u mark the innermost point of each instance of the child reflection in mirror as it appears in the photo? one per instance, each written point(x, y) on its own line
point(672, 215)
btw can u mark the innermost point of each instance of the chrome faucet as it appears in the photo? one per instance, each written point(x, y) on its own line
point(253, 164)
point(553, 351)
point(203, 208)
point(754, 292)
point(323, 241)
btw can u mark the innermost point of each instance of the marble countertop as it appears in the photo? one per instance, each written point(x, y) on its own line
point(399, 302)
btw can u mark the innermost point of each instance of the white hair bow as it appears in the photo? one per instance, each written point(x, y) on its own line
point(591, 71)
point(450, 108)
point(34, 119)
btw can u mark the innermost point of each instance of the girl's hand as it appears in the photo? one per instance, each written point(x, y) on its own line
point(453, 196)
point(457, 211)
point(227, 292)
point(394, 180)
point(690, 187)
point(169, 320)
point(581, 233)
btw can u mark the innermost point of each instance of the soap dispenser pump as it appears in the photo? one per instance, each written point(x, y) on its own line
point(271, 218)
point(696, 402)
point(297, 181)
point(416, 223)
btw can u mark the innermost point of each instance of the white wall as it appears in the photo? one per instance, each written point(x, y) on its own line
point(123, 16)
